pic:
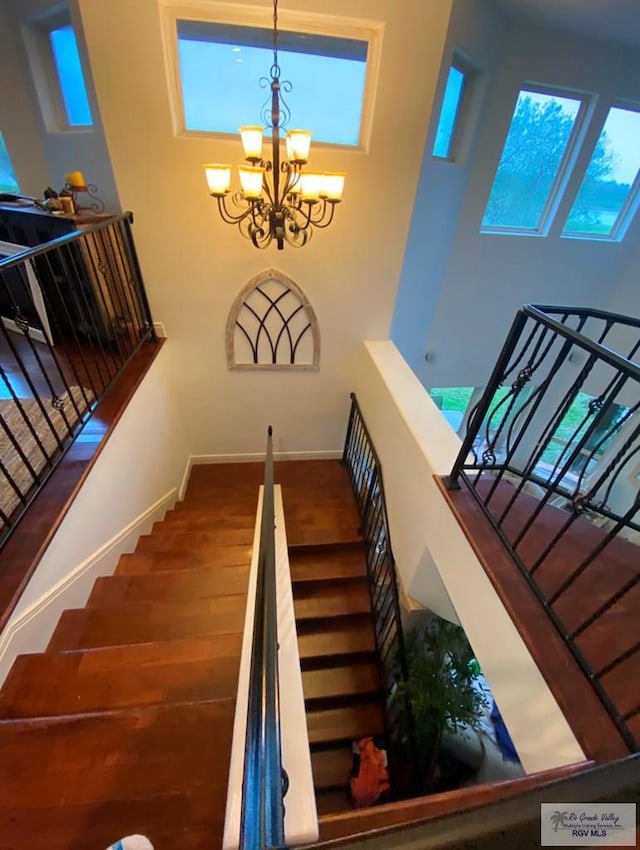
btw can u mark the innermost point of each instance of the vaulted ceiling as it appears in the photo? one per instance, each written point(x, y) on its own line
point(617, 21)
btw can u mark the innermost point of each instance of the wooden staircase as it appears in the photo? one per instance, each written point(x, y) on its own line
point(124, 724)
point(337, 654)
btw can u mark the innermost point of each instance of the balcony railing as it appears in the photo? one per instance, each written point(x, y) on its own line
point(552, 455)
point(73, 314)
point(365, 472)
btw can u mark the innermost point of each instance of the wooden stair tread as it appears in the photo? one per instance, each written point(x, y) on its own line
point(356, 637)
point(162, 608)
point(346, 723)
point(109, 678)
point(306, 535)
point(186, 540)
point(331, 767)
point(349, 679)
point(165, 586)
point(333, 600)
point(87, 628)
point(318, 565)
point(166, 818)
point(177, 558)
point(119, 756)
point(307, 474)
point(333, 801)
point(245, 498)
point(205, 520)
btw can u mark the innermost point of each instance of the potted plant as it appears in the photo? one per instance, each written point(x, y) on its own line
point(441, 696)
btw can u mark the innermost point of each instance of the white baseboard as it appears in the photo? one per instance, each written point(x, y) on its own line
point(160, 330)
point(252, 457)
point(259, 456)
point(31, 630)
point(185, 478)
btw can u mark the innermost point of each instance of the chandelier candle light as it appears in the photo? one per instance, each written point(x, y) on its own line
point(279, 199)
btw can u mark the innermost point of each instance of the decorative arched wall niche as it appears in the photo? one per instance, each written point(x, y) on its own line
point(272, 325)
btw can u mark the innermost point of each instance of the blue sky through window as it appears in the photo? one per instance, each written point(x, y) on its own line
point(221, 90)
point(449, 113)
point(8, 182)
point(72, 86)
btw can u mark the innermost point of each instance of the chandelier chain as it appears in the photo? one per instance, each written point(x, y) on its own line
point(275, 68)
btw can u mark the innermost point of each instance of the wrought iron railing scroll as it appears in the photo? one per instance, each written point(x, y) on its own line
point(554, 444)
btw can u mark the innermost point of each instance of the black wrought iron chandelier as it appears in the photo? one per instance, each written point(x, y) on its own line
point(279, 199)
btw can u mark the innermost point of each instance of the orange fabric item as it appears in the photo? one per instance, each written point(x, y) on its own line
point(372, 779)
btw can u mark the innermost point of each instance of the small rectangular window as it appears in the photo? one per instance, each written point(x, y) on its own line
point(533, 162)
point(607, 191)
point(327, 75)
point(449, 113)
point(66, 57)
point(8, 182)
point(54, 58)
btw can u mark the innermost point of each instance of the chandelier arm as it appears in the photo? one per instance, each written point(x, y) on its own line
point(325, 220)
point(260, 242)
point(258, 236)
point(292, 177)
point(227, 216)
point(268, 190)
point(306, 216)
point(258, 217)
point(298, 238)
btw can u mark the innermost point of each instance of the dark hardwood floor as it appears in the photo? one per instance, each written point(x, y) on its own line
point(33, 367)
point(614, 633)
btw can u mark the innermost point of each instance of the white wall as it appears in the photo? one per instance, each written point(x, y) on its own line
point(136, 477)
point(18, 124)
point(43, 156)
point(487, 277)
point(194, 265)
point(477, 31)
point(625, 296)
point(435, 561)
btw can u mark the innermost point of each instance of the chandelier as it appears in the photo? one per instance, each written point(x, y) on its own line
point(280, 199)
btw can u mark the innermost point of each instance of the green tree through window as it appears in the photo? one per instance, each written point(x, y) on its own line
point(536, 144)
point(610, 176)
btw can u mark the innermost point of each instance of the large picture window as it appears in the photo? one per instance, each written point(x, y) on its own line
point(221, 65)
point(218, 61)
point(534, 161)
point(609, 191)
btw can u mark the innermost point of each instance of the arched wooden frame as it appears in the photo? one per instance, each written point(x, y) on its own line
point(273, 322)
